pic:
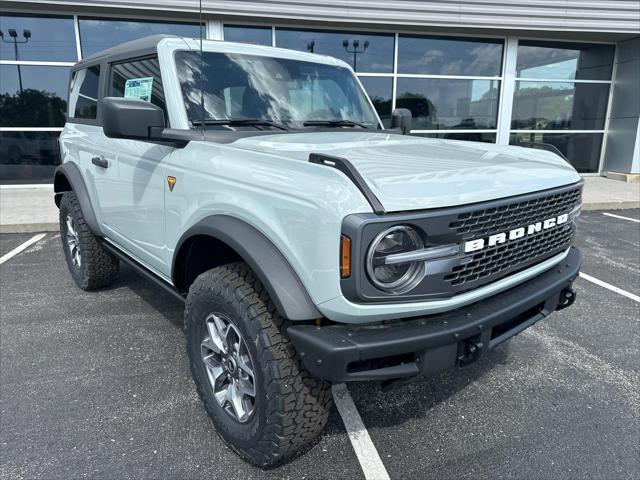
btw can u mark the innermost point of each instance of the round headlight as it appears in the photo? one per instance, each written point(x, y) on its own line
point(395, 277)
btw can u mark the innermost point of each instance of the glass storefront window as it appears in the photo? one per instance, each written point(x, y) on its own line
point(50, 39)
point(248, 34)
point(564, 61)
point(28, 157)
point(559, 106)
point(373, 52)
point(581, 149)
point(99, 34)
point(33, 96)
point(486, 137)
point(439, 104)
point(449, 56)
point(380, 90)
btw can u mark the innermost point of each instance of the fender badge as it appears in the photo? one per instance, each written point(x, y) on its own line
point(172, 182)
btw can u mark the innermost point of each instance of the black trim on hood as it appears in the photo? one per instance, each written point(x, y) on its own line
point(346, 167)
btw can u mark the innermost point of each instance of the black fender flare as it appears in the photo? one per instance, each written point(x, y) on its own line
point(285, 288)
point(74, 180)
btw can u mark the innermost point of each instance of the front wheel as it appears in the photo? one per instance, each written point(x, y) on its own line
point(261, 400)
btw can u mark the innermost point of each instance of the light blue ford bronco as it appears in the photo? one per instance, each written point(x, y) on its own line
point(309, 244)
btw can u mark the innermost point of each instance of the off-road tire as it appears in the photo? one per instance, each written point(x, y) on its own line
point(98, 268)
point(291, 406)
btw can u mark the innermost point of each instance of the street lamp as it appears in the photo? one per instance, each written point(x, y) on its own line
point(14, 39)
point(355, 50)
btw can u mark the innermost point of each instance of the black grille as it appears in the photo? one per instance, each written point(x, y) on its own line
point(485, 222)
point(512, 256)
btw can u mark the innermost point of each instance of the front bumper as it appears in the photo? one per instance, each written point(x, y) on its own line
point(424, 346)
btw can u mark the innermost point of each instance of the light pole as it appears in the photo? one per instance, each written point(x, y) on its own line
point(355, 44)
point(14, 39)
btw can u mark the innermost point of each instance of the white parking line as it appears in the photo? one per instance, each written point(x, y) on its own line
point(621, 217)
point(20, 248)
point(370, 462)
point(608, 286)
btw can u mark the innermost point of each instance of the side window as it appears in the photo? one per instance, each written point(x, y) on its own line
point(138, 79)
point(83, 97)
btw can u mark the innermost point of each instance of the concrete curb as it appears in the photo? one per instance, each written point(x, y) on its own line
point(54, 227)
point(29, 227)
point(610, 206)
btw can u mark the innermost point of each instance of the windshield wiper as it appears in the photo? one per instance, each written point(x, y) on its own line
point(333, 123)
point(240, 121)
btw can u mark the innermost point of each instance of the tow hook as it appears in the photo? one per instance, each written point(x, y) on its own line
point(567, 298)
point(468, 352)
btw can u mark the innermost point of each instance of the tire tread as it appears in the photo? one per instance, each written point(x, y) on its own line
point(300, 403)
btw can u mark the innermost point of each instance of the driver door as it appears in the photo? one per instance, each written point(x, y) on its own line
point(135, 219)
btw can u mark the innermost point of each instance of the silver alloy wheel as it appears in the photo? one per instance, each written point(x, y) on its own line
point(229, 367)
point(73, 242)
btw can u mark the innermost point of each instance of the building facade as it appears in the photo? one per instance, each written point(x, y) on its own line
point(565, 73)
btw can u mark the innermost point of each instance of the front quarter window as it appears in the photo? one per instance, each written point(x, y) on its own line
point(285, 91)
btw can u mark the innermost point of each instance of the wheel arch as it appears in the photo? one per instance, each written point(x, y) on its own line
point(233, 239)
point(67, 177)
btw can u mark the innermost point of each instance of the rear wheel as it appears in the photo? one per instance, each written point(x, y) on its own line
point(260, 399)
point(90, 265)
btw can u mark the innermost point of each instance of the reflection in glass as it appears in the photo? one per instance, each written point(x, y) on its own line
point(581, 149)
point(280, 90)
point(52, 39)
point(148, 67)
point(438, 104)
point(83, 95)
point(41, 102)
point(96, 35)
point(248, 34)
point(485, 137)
point(564, 61)
point(449, 56)
point(559, 106)
point(380, 90)
point(28, 157)
point(376, 58)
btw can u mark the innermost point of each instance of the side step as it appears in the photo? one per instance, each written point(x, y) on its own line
point(144, 272)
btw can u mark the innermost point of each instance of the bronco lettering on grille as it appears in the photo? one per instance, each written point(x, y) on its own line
point(493, 240)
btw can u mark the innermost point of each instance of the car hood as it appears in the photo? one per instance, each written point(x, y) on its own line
point(411, 173)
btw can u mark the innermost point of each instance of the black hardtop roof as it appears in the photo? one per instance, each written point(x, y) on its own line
point(133, 48)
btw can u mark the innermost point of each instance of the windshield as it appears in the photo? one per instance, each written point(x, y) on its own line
point(286, 92)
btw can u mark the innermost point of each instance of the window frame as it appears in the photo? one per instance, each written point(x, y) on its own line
point(87, 121)
point(49, 15)
point(109, 79)
point(507, 131)
point(183, 106)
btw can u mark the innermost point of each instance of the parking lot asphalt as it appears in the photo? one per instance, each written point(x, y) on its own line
point(97, 385)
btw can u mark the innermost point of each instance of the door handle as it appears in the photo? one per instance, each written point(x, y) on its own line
point(100, 162)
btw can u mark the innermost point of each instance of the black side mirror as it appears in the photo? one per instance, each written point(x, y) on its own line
point(131, 118)
point(401, 118)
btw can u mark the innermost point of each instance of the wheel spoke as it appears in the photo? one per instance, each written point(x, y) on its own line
point(70, 229)
point(232, 338)
point(214, 335)
point(246, 387)
point(210, 345)
point(244, 366)
point(222, 395)
point(235, 399)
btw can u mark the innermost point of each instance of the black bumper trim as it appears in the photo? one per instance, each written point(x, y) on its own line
point(423, 346)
